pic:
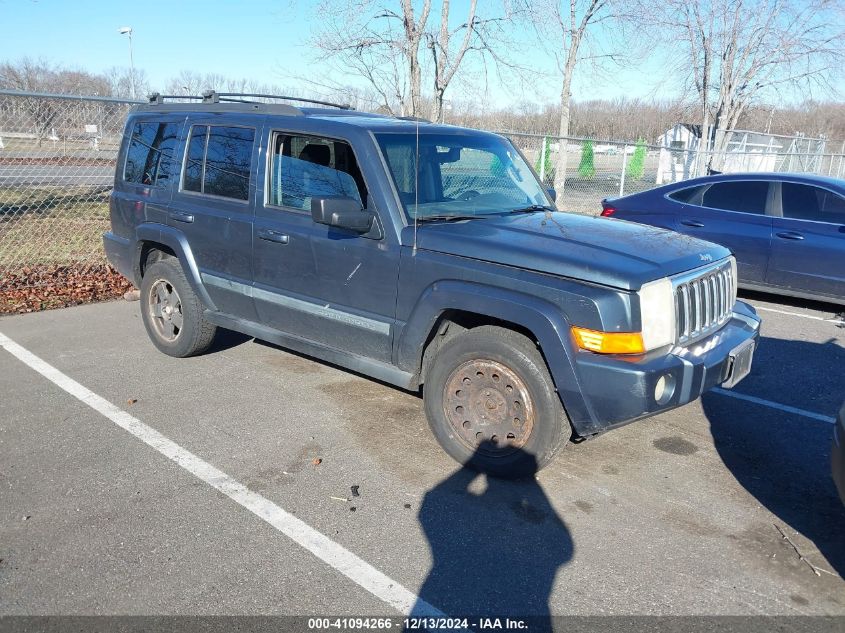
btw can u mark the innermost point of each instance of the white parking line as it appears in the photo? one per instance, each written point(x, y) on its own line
point(333, 554)
point(833, 320)
point(775, 405)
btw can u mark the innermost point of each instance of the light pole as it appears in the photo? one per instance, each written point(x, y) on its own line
point(127, 30)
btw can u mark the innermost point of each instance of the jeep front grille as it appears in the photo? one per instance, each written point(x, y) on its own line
point(704, 300)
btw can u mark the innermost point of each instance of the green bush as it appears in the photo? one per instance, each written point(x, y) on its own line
point(637, 166)
point(587, 167)
point(545, 157)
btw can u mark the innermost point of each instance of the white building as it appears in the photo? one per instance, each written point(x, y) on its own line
point(682, 151)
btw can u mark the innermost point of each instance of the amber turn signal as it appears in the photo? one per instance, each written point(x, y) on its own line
point(609, 342)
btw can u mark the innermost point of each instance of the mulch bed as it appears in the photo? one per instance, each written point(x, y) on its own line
point(43, 286)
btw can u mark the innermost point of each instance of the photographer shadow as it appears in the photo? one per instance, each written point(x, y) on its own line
point(495, 551)
point(781, 458)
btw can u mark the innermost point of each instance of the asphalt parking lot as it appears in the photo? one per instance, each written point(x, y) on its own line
point(197, 490)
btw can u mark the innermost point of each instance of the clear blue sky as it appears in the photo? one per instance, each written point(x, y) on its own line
point(264, 40)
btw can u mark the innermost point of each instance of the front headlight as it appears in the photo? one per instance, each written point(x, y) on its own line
point(657, 313)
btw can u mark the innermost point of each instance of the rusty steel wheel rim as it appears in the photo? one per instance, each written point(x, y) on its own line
point(489, 407)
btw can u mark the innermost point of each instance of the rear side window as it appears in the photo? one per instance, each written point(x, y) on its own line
point(685, 195)
point(303, 167)
point(150, 157)
point(219, 161)
point(747, 196)
point(805, 202)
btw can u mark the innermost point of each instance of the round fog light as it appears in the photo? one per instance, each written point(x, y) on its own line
point(664, 389)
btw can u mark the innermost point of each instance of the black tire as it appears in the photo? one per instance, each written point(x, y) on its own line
point(478, 386)
point(193, 335)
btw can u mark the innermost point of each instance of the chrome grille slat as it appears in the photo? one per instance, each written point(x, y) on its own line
point(703, 301)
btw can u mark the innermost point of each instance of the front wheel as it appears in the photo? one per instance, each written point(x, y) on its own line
point(492, 405)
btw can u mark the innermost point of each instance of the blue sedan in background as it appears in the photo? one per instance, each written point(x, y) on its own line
point(787, 231)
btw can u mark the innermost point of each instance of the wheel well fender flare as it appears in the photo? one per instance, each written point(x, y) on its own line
point(174, 239)
point(544, 320)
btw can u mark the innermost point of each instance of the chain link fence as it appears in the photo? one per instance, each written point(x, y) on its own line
point(57, 160)
point(593, 169)
point(57, 163)
point(596, 169)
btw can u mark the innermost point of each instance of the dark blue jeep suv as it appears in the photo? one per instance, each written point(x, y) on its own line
point(422, 255)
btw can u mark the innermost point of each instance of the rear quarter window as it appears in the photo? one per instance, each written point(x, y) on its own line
point(150, 158)
point(685, 195)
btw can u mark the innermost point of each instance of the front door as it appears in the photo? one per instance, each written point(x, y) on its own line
point(808, 248)
point(323, 284)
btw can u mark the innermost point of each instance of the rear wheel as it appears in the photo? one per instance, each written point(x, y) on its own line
point(491, 403)
point(172, 312)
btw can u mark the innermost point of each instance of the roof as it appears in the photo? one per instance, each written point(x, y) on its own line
point(810, 179)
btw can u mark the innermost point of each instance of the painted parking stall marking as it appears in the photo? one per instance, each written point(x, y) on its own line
point(333, 554)
point(775, 405)
point(835, 319)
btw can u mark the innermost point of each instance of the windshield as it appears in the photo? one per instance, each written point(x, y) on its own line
point(452, 175)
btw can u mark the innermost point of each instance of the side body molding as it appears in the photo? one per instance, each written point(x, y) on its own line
point(176, 240)
point(545, 320)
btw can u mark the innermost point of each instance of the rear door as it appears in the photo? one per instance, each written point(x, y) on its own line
point(733, 213)
point(214, 206)
point(808, 247)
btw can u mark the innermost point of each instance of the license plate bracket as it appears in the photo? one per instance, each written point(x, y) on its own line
point(740, 359)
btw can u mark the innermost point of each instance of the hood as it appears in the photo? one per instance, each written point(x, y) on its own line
point(599, 250)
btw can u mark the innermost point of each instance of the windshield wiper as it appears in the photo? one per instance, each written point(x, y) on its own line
point(533, 208)
point(447, 218)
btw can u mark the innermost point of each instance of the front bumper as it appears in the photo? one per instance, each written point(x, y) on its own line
point(618, 390)
point(837, 453)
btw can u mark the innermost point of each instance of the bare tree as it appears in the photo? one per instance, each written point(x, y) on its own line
point(736, 52)
point(573, 23)
point(29, 75)
point(377, 42)
point(382, 41)
point(446, 63)
point(122, 80)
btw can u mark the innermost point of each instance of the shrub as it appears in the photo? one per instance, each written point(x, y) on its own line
point(545, 158)
point(637, 166)
point(587, 167)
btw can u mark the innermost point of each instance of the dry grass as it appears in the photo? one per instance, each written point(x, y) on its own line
point(51, 226)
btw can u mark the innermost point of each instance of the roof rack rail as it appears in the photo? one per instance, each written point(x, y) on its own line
point(258, 95)
point(212, 96)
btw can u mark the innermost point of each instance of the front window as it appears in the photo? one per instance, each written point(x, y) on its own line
point(805, 202)
point(303, 167)
point(450, 175)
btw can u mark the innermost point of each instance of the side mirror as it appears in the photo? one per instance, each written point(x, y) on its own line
point(343, 213)
point(552, 193)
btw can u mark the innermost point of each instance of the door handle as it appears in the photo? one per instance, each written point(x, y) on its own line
point(694, 223)
point(181, 216)
point(273, 236)
point(790, 235)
